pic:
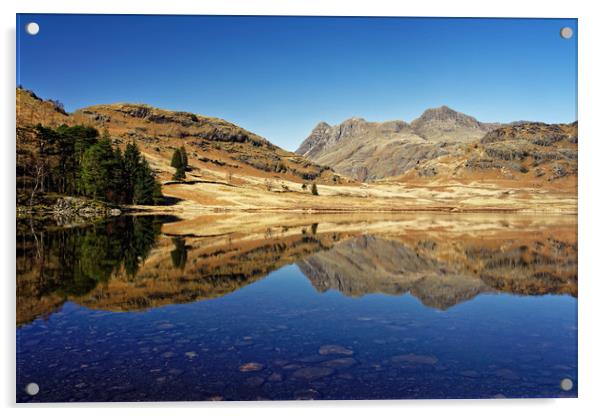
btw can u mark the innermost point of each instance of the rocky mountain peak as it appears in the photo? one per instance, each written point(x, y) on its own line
point(446, 114)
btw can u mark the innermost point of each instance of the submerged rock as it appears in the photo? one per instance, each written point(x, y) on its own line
point(415, 359)
point(340, 363)
point(312, 373)
point(311, 359)
point(275, 377)
point(307, 394)
point(333, 349)
point(254, 381)
point(249, 367)
point(292, 366)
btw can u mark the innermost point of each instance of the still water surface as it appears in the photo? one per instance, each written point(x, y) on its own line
point(129, 310)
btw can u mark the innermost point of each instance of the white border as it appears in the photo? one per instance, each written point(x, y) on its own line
point(590, 189)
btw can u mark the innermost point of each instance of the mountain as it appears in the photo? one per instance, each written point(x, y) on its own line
point(370, 150)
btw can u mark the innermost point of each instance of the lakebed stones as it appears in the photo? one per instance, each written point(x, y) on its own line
point(340, 363)
point(275, 377)
point(312, 373)
point(332, 349)
point(414, 359)
point(307, 394)
point(250, 367)
point(255, 381)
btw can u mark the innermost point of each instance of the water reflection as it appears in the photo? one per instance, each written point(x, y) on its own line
point(110, 266)
point(442, 276)
point(55, 264)
point(142, 263)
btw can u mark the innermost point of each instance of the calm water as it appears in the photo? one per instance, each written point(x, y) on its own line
point(130, 310)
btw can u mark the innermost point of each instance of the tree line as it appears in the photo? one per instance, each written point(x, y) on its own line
point(77, 161)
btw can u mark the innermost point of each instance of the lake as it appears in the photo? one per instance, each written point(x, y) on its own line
point(291, 306)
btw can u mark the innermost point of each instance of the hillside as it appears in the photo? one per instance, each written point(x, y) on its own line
point(370, 150)
point(525, 154)
point(217, 149)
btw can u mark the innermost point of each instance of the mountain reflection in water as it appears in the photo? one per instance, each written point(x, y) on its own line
point(143, 263)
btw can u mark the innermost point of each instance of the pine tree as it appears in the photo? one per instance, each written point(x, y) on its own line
point(157, 194)
point(131, 164)
point(177, 161)
point(117, 179)
point(184, 157)
point(144, 185)
point(180, 174)
point(97, 164)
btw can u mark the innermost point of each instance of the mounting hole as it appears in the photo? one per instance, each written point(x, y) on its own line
point(32, 28)
point(32, 389)
point(566, 384)
point(566, 32)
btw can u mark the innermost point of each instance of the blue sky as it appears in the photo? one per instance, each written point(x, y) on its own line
point(280, 76)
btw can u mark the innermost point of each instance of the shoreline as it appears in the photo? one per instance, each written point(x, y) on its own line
point(417, 210)
point(23, 212)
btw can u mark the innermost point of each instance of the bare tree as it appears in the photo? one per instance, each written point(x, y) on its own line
point(38, 180)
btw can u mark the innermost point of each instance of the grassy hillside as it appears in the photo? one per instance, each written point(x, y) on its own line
point(217, 150)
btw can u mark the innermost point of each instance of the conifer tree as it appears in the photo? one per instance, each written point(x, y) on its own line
point(184, 157)
point(144, 185)
point(97, 164)
point(131, 164)
point(177, 161)
point(117, 179)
